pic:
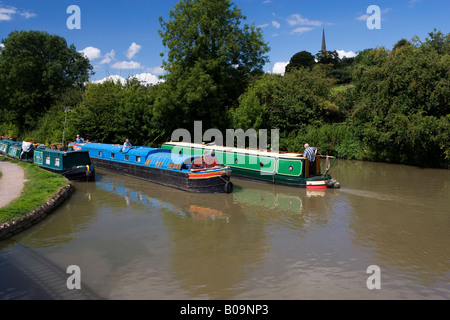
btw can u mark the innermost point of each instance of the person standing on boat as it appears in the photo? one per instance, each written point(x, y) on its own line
point(79, 139)
point(126, 145)
point(311, 153)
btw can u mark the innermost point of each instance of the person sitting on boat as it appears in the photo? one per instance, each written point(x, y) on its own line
point(311, 153)
point(79, 139)
point(210, 160)
point(126, 145)
point(27, 149)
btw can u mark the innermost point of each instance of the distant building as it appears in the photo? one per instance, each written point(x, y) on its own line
point(324, 46)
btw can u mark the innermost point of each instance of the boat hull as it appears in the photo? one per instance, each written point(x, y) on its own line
point(74, 174)
point(179, 180)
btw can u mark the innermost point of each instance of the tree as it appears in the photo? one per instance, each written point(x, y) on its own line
point(300, 59)
point(402, 101)
point(288, 103)
point(35, 69)
point(328, 57)
point(211, 58)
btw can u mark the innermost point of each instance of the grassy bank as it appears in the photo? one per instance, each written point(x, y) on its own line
point(39, 188)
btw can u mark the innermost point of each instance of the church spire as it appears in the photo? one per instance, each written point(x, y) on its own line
point(324, 46)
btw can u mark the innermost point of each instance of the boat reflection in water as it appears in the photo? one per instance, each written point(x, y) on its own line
point(187, 205)
point(134, 239)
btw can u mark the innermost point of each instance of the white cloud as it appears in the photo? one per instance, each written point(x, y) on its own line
point(6, 13)
point(144, 78)
point(114, 78)
point(2, 45)
point(110, 56)
point(363, 17)
point(267, 1)
point(279, 67)
point(301, 30)
point(28, 14)
point(263, 25)
point(126, 65)
point(132, 50)
point(296, 19)
point(347, 54)
point(276, 24)
point(91, 52)
point(156, 70)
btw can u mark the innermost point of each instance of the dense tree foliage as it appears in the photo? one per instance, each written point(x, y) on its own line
point(300, 59)
point(383, 105)
point(211, 57)
point(36, 68)
point(289, 102)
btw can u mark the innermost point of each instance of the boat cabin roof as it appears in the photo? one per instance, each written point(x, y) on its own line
point(140, 155)
point(237, 150)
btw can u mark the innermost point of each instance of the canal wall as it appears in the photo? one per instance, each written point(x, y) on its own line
point(8, 229)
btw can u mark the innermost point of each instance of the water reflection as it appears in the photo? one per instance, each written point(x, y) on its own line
point(138, 240)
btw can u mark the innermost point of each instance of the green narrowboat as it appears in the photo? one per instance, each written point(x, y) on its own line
point(74, 165)
point(291, 169)
point(10, 148)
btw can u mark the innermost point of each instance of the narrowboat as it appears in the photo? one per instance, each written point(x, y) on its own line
point(10, 148)
point(291, 169)
point(188, 173)
point(74, 165)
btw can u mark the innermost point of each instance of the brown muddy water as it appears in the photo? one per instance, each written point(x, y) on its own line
point(132, 239)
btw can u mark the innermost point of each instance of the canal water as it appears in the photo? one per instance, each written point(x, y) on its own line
point(132, 239)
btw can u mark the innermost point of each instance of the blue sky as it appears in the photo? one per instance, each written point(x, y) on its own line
point(121, 37)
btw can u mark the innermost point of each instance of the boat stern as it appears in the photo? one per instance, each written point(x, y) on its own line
point(211, 180)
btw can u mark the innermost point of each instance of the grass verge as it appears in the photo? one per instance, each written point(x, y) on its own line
point(39, 188)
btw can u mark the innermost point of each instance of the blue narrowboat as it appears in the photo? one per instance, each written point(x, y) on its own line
point(189, 173)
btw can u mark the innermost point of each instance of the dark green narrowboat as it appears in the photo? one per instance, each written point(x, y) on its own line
point(74, 165)
point(10, 148)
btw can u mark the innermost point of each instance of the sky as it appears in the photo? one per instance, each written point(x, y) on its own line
point(121, 37)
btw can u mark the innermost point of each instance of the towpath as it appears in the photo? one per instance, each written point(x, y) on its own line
point(11, 182)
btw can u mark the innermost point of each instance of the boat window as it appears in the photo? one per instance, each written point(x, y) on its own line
point(147, 162)
point(158, 164)
point(291, 168)
point(236, 160)
point(138, 159)
point(178, 166)
point(47, 160)
point(113, 155)
point(261, 164)
point(127, 157)
point(99, 153)
point(57, 162)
